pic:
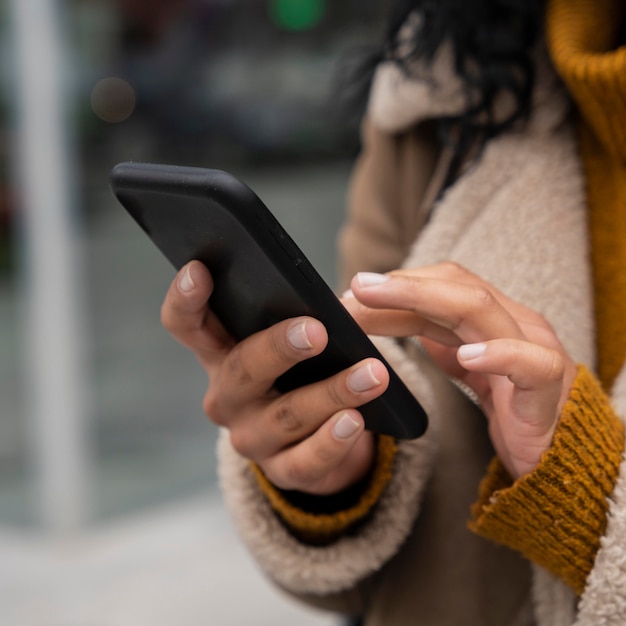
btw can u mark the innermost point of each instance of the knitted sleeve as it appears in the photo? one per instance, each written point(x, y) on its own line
point(557, 514)
point(313, 525)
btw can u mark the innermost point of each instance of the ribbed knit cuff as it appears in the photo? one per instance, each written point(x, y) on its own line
point(323, 528)
point(556, 515)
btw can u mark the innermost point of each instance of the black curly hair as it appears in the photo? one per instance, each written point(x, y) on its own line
point(492, 42)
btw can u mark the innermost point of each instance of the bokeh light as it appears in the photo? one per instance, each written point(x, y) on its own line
point(297, 15)
point(113, 99)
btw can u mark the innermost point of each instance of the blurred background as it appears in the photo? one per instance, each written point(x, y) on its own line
point(110, 512)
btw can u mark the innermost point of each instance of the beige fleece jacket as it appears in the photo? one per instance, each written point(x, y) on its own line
point(519, 220)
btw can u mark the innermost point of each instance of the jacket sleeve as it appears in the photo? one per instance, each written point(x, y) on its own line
point(390, 181)
point(604, 598)
point(320, 520)
point(304, 568)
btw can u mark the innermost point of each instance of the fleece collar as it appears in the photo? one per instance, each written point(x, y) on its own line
point(400, 99)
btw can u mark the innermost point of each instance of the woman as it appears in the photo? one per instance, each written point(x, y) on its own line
point(487, 220)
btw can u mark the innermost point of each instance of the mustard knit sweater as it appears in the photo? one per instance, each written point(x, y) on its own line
point(557, 514)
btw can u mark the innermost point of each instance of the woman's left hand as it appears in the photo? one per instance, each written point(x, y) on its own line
point(506, 353)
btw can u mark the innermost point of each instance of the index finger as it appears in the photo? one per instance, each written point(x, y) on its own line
point(470, 311)
point(452, 271)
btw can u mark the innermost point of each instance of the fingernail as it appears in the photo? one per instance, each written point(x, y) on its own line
point(345, 427)
point(363, 379)
point(347, 294)
point(186, 283)
point(297, 336)
point(472, 351)
point(370, 279)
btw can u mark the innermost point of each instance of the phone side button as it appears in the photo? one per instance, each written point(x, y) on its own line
point(306, 269)
point(287, 245)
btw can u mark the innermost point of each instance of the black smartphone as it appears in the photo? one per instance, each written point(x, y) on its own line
point(260, 275)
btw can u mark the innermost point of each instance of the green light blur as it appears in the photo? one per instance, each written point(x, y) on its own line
point(297, 14)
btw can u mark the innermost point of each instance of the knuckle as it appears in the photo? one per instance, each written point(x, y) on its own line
point(482, 298)
point(555, 366)
point(479, 300)
point(454, 269)
point(301, 473)
point(277, 348)
point(286, 416)
point(336, 391)
point(237, 368)
point(167, 317)
point(326, 455)
point(212, 407)
point(240, 441)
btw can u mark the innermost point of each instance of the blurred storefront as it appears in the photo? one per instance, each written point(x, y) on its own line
point(250, 86)
point(109, 510)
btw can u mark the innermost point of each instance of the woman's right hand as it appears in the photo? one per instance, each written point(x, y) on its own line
point(311, 439)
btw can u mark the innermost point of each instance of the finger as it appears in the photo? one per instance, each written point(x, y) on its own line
point(537, 374)
point(394, 323)
point(187, 317)
point(457, 273)
point(446, 358)
point(251, 368)
point(469, 310)
point(337, 455)
point(291, 417)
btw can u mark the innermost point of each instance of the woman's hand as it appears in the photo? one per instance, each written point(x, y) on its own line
point(508, 354)
point(311, 439)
